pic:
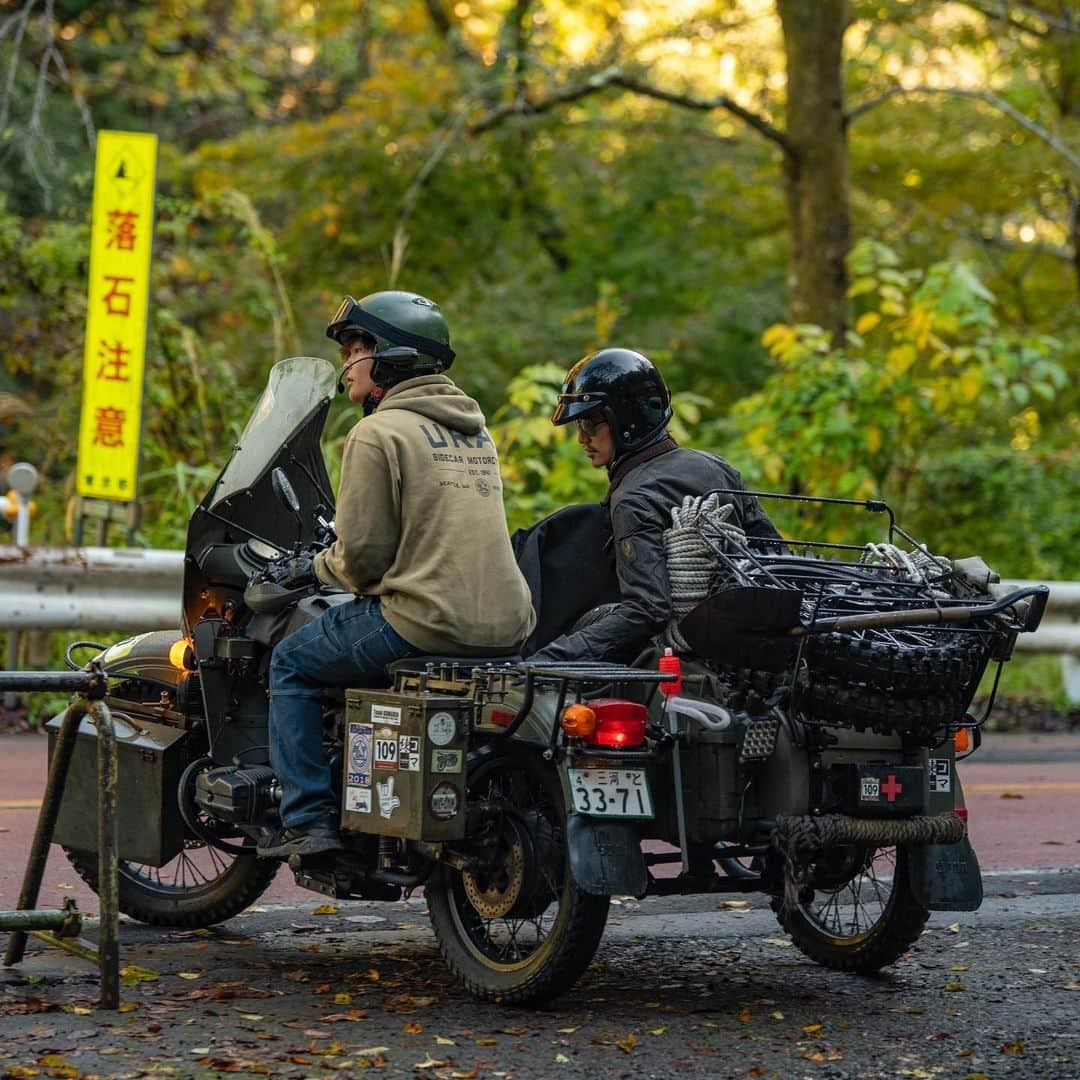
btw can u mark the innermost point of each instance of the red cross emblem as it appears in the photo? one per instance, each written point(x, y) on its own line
point(890, 789)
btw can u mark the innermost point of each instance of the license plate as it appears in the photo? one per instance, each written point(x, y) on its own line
point(611, 792)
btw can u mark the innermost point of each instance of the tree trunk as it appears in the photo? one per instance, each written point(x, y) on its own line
point(816, 165)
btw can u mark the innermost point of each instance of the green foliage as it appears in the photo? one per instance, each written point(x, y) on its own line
point(929, 369)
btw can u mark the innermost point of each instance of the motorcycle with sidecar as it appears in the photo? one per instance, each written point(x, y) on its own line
point(796, 735)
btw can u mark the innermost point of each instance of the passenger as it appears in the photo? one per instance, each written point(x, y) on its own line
point(622, 407)
point(421, 541)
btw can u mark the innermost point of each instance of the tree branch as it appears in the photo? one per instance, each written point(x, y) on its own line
point(615, 77)
point(449, 31)
point(1001, 9)
point(986, 97)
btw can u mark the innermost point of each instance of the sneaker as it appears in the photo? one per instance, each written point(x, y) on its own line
point(310, 839)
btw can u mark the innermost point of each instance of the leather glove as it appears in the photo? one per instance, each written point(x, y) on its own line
point(294, 571)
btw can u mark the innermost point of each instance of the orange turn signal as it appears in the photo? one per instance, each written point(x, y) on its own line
point(578, 721)
point(962, 740)
point(181, 655)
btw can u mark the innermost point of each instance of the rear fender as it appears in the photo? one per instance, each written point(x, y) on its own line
point(605, 856)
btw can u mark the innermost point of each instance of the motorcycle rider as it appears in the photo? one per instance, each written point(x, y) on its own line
point(622, 407)
point(421, 541)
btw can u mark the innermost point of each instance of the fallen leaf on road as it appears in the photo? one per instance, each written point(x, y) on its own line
point(190, 974)
point(627, 1044)
point(430, 1063)
point(777, 1015)
point(470, 1075)
point(326, 909)
point(57, 1066)
point(737, 904)
point(343, 999)
point(567, 1031)
point(130, 974)
point(413, 1028)
point(128, 1006)
point(441, 1040)
point(813, 1029)
point(745, 1016)
point(372, 1051)
point(1015, 1048)
point(1054, 843)
point(1072, 986)
point(953, 928)
point(780, 942)
point(1011, 795)
point(955, 986)
point(561, 1059)
point(658, 1031)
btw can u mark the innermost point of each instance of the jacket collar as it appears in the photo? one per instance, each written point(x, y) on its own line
point(618, 469)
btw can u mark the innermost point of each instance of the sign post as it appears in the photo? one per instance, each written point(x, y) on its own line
point(121, 238)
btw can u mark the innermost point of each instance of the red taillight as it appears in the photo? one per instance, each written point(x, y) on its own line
point(961, 812)
point(501, 717)
point(619, 723)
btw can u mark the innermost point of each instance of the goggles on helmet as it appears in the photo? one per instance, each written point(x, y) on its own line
point(350, 314)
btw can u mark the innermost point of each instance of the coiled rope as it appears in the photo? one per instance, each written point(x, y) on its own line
point(799, 838)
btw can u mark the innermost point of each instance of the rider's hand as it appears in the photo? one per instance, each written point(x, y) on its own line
point(293, 571)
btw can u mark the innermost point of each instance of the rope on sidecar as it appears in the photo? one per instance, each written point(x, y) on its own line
point(799, 838)
point(690, 547)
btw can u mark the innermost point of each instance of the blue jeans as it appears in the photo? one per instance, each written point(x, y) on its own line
point(348, 645)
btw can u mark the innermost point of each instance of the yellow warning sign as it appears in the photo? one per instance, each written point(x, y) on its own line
point(121, 237)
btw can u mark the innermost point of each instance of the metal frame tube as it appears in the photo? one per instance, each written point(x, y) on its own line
point(108, 862)
point(88, 703)
point(46, 824)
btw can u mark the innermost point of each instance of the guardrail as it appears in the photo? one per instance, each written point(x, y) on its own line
point(91, 588)
point(135, 589)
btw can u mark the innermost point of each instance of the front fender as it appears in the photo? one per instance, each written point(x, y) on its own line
point(605, 856)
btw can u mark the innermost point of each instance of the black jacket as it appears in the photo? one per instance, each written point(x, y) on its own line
point(639, 503)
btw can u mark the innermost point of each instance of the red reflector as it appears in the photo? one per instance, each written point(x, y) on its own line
point(501, 717)
point(618, 723)
point(961, 812)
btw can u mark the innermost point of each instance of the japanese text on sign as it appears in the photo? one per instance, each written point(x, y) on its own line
point(122, 228)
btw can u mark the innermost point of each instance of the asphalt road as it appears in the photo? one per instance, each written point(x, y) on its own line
point(686, 987)
point(699, 986)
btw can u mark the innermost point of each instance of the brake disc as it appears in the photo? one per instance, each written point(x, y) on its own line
point(494, 892)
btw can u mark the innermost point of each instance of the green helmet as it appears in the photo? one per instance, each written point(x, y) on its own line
point(410, 334)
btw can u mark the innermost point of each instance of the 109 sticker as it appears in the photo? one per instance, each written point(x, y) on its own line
point(940, 774)
point(359, 770)
point(386, 751)
point(870, 790)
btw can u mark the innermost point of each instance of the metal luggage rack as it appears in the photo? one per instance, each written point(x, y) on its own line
point(824, 578)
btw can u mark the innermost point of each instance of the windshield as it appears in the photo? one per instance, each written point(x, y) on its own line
point(295, 389)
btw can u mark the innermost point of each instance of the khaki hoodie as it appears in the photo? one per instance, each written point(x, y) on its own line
point(421, 525)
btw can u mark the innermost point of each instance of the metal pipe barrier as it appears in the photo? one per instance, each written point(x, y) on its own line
point(93, 588)
point(66, 923)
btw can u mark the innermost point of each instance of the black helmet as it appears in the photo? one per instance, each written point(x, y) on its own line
point(626, 387)
point(410, 333)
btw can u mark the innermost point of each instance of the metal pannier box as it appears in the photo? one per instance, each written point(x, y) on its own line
point(150, 761)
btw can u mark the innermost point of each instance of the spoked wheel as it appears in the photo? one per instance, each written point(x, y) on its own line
point(516, 929)
point(200, 887)
point(862, 914)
